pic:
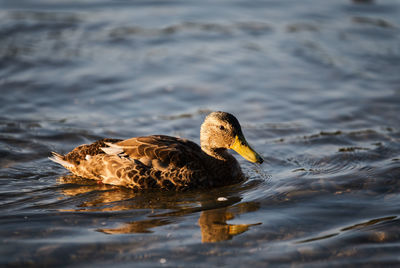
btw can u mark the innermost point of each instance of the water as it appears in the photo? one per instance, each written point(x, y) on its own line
point(315, 85)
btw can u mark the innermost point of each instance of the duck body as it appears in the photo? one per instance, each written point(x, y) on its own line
point(165, 162)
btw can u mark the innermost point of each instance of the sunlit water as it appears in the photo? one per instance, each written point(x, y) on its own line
point(315, 85)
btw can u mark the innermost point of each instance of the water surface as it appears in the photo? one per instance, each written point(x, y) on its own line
point(315, 85)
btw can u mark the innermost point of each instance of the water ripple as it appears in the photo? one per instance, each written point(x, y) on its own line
point(316, 92)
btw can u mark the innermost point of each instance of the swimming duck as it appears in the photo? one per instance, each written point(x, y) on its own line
point(166, 162)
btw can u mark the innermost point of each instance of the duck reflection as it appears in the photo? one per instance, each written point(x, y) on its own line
point(213, 220)
point(214, 226)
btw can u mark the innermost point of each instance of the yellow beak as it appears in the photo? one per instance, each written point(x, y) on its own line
point(243, 148)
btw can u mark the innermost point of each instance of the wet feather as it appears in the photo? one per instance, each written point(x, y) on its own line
point(160, 161)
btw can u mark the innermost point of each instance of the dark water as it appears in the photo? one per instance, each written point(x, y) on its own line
point(314, 83)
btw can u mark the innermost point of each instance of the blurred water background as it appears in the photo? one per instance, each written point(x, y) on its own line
point(315, 85)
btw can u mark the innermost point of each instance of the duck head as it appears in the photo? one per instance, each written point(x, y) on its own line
point(221, 131)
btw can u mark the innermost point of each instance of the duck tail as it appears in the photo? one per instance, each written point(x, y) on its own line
point(59, 159)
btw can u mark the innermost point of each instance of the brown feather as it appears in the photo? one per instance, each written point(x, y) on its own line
point(159, 161)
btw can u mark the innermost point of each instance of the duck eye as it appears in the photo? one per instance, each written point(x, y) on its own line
point(221, 127)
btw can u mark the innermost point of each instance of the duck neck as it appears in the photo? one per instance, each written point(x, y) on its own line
point(226, 162)
point(219, 153)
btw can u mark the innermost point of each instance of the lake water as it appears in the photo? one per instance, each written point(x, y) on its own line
point(315, 85)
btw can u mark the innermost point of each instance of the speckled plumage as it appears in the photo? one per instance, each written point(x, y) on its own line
point(160, 161)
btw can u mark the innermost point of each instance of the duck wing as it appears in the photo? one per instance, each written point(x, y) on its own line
point(157, 150)
point(155, 161)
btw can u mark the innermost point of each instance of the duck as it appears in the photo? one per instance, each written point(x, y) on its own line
point(166, 162)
